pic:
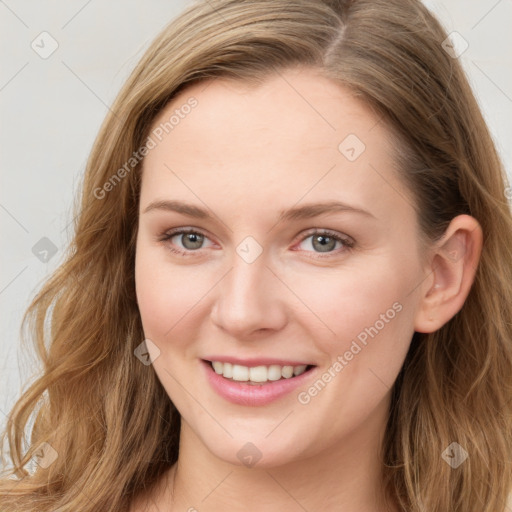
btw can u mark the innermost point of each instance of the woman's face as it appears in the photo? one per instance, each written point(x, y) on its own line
point(275, 275)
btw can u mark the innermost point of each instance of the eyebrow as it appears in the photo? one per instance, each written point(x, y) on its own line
point(296, 213)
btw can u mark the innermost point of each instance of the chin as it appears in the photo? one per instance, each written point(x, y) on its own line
point(258, 446)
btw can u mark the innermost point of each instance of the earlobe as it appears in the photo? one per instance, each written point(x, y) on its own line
point(452, 269)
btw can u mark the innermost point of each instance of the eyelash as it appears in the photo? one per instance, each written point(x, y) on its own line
point(348, 243)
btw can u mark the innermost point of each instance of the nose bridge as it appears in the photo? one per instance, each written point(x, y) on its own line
point(248, 296)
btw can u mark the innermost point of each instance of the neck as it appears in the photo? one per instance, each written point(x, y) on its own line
point(346, 477)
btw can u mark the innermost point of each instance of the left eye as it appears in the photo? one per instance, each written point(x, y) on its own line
point(325, 241)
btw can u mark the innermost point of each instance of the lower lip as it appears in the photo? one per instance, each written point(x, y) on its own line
point(242, 393)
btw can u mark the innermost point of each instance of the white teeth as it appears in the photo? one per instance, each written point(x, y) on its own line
point(228, 370)
point(297, 370)
point(287, 372)
point(240, 373)
point(257, 373)
point(274, 372)
point(218, 367)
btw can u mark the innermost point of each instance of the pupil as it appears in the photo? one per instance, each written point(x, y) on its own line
point(195, 240)
point(325, 246)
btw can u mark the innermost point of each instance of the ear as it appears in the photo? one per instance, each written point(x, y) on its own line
point(452, 268)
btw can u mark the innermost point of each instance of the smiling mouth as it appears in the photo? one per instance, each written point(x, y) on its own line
point(257, 375)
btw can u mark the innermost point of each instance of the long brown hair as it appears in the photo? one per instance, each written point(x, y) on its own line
point(111, 429)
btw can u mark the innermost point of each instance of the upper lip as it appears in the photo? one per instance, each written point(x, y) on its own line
point(257, 361)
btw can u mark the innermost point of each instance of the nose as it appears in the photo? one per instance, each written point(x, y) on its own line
point(250, 299)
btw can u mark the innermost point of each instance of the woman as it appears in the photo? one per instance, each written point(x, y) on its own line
point(289, 287)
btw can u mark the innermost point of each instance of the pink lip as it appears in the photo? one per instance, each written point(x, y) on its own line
point(242, 393)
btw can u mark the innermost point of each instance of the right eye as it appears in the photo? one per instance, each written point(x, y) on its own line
point(191, 240)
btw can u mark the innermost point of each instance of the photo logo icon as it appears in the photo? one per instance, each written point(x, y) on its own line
point(44, 45)
point(147, 352)
point(454, 455)
point(249, 249)
point(351, 147)
point(45, 455)
point(249, 455)
point(455, 45)
point(44, 250)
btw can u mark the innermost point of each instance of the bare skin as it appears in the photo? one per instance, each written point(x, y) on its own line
point(244, 155)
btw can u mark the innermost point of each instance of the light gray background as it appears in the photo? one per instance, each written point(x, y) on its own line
point(52, 109)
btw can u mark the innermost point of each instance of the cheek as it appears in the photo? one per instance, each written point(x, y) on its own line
point(163, 296)
point(344, 303)
point(371, 312)
point(364, 319)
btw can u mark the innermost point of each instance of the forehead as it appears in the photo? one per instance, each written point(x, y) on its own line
point(297, 107)
point(297, 134)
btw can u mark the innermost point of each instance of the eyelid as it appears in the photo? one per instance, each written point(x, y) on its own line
point(347, 241)
point(324, 231)
point(168, 234)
